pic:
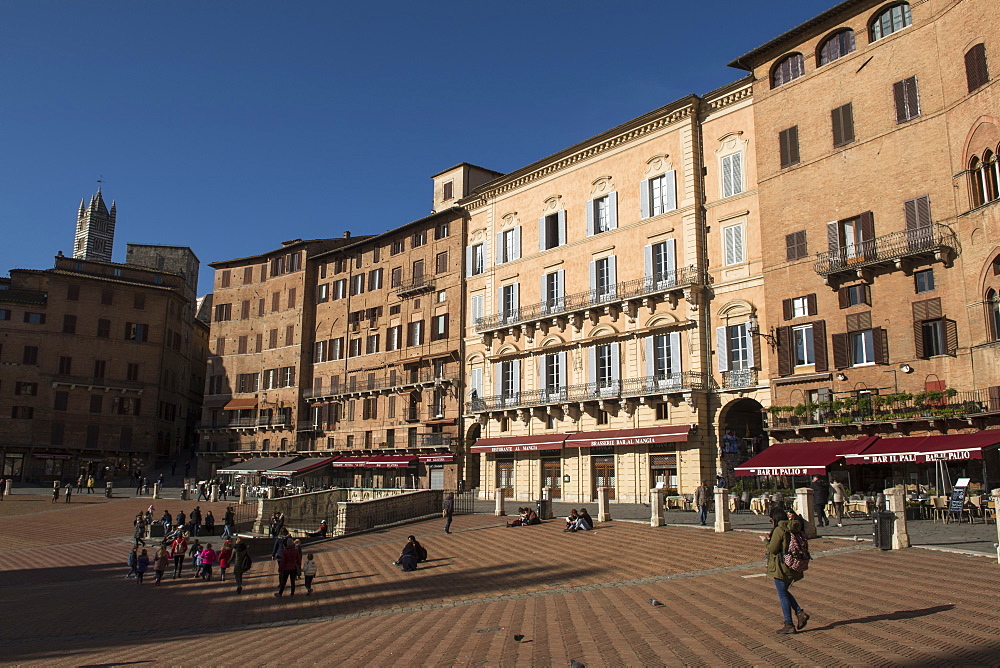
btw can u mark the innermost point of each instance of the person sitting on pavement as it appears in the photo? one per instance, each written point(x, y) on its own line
point(571, 519)
point(320, 532)
point(522, 516)
point(413, 552)
point(531, 518)
point(584, 522)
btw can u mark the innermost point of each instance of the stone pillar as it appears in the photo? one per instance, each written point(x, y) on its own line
point(603, 504)
point(214, 496)
point(10, 486)
point(243, 492)
point(499, 512)
point(895, 501)
point(657, 504)
point(804, 495)
point(546, 493)
point(996, 518)
point(272, 492)
point(722, 523)
point(108, 489)
point(156, 490)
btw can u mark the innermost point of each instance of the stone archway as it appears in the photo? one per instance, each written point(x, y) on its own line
point(741, 434)
point(471, 478)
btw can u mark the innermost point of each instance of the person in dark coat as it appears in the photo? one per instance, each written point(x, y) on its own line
point(239, 563)
point(413, 552)
point(447, 511)
point(195, 520)
point(821, 495)
point(783, 575)
point(702, 499)
point(280, 543)
point(288, 567)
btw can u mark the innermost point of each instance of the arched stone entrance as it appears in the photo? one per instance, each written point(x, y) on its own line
point(741, 434)
point(472, 460)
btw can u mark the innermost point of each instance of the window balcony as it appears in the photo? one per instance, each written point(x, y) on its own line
point(902, 407)
point(414, 286)
point(631, 388)
point(888, 252)
point(406, 380)
point(739, 378)
point(626, 295)
point(92, 383)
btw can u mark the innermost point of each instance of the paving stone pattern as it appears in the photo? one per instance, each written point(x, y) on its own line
point(580, 596)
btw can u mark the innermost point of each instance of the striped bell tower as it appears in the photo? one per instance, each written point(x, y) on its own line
point(95, 230)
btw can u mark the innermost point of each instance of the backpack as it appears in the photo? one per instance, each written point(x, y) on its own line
point(797, 557)
point(247, 562)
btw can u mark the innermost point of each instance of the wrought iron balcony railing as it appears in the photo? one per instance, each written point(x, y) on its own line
point(415, 285)
point(738, 378)
point(935, 405)
point(428, 376)
point(620, 389)
point(634, 289)
point(936, 239)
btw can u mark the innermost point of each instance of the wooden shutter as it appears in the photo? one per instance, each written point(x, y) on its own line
point(841, 354)
point(644, 198)
point(590, 218)
point(857, 322)
point(613, 210)
point(785, 351)
point(838, 126)
point(786, 308)
point(880, 342)
point(976, 73)
point(561, 224)
point(788, 141)
point(819, 345)
point(833, 238)
point(541, 234)
point(844, 297)
point(674, 351)
point(867, 225)
point(811, 308)
point(791, 247)
point(951, 337)
point(755, 360)
point(670, 191)
point(843, 125)
point(899, 97)
point(722, 349)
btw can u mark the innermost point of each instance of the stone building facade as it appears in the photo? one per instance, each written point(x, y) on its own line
point(878, 134)
point(101, 367)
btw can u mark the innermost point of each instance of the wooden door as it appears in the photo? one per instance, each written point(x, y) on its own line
point(604, 474)
point(552, 477)
point(505, 478)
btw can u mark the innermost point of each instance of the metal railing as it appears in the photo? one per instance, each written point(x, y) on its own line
point(887, 408)
point(737, 378)
point(92, 381)
point(415, 284)
point(637, 288)
point(597, 391)
point(427, 376)
point(886, 248)
point(245, 422)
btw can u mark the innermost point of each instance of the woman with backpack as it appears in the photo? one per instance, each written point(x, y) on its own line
point(241, 562)
point(787, 534)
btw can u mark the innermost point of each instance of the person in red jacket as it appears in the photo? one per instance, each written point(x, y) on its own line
point(225, 558)
point(288, 567)
point(208, 557)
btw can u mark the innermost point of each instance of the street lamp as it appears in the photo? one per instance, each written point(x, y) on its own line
point(771, 339)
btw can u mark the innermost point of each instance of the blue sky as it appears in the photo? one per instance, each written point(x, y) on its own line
point(232, 126)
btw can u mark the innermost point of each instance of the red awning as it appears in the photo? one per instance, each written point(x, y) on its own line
point(519, 443)
point(241, 404)
point(926, 448)
point(436, 459)
point(390, 461)
point(349, 462)
point(621, 437)
point(811, 458)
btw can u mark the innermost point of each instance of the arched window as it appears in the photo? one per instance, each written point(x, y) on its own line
point(790, 67)
point(991, 175)
point(836, 45)
point(890, 20)
point(993, 314)
point(266, 444)
point(977, 182)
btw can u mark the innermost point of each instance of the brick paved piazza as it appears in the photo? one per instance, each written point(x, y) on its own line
point(572, 596)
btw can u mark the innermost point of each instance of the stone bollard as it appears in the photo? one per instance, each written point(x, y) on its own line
point(603, 504)
point(896, 504)
point(10, 487)
point(804, 495)
point(657, 506)
point(722, 523)
point(499, 512)
point(996, 518)
point(214, 496)
point(108, 489)
point(156, 490)
point(243, 492)
point(272, 492)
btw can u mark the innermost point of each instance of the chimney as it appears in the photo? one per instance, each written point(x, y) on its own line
point(347, 234)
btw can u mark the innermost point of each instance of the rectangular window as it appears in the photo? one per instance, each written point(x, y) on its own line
point(128, 406)
point(24, 389)
point(732, 174)
point(96, 401)
point(448, 190)
point(439, 327)
point(605, 283)
point(275, 302)
point(795, 245)
point(272, 338)
point(290, 335)
point(553, 292)
point(509, 378)
point(337, 351)
point(223, 312)
point(73, 293)
point(733, 244)
point(397, 247)
point(509, 301)
point(286, 376)
point(132, 371)
point(136, 331)
point(554, 372)
point(69, 324)
point(976, 71)
point(842, 119)
point(800, 307)
point(354, 348)
point(340, 288)
point(788, 142)
point(4, 314)
point(417, 272)
point(933, 335)
point(862, 347)
point(441, 263)
point(658, 195)
point(291, 296)
point(857, 295)
point(224, 279)
point(396, 277)
point(322, 293)
point(241, 345)
point(139, 302)
point(392, 337)
point(65, 365)
point(441, 231)
point(34, 318)
point(357, 284)
point(22, 412)
point(60, 401)
point(552, 230)
point(375, 279)
point(416, 333)
point(606, 366)
point(906, 99)
point(923, 281)
point(477, 264)
point(601, 212)
point(322, 351)
point(260, 306)
point(247, 275)
point(419, 239)
point(371, 344)
point(665, 359)
point(802, 341)
point(509, 245)
point(100, 366)
point(30, 355)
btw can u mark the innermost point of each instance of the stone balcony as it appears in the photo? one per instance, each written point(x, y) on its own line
point(890, 252)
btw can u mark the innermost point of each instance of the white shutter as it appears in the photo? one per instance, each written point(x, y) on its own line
point(613, 210)
point(670, 254)
point(650, 355)
point(468, 261)
point(590, 218)
point(728, 249)
point(670, 191)
point(562, 227)
point(541, 233)
point(616, 361)
point(721, 349)
point(561, 285)
point(517, 296)
point(516, 365)
point(613, 275)
point(500, 304)
point(592, 365)
point(727, 176)
point(674, 347)
point(644, 198)
point(476, 382)
point(562, 371)
point(647, 264)
point(737, 183)
point(477, 308)
point(544, 293)
point(499, 259)
point(738, 242)
point(515, 253)
point(593, 274)
point(498, 378)
point(749, 344)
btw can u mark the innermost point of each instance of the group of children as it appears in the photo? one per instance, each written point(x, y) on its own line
point(204, 559)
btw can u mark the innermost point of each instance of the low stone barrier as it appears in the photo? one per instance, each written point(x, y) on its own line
point(354, 517)
point(303, 512)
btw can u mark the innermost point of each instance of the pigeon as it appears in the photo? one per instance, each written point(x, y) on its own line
point(518, 637)
point(653, 602)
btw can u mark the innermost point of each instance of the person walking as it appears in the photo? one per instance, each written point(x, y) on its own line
point(288, 568)
point(241, 562)
point(448, 511)
point(839, 496)
point(208, 557)
point(786, 523)
point(309, 570)
point(138, 485)
point(140, 532)
point(821, 495)
point(702, 497)
point(202, 492)
point(179, 548)
point(196, 520)
point(141, 566)
point(79, 482)
point(133, 559)
point(55, 491)
point(225, 559)
point(228, 522)
point(160, 561)
point(90, 484)
point(210, 523)
point(69, 491)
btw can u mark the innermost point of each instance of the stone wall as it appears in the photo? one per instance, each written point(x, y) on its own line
point(303, 512)
point(396, 509)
